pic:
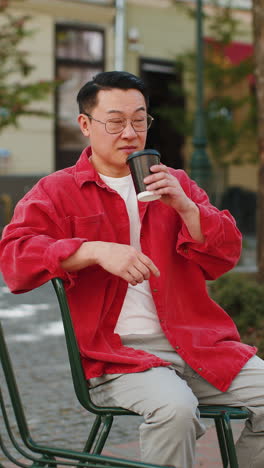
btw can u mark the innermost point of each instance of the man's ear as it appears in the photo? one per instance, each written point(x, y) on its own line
point(84, 123)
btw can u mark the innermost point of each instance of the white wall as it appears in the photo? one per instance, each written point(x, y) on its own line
point(32, 145)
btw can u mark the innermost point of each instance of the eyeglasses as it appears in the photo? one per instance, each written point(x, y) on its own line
point(117, 125)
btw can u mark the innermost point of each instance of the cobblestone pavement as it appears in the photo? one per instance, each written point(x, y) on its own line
point(36, 344)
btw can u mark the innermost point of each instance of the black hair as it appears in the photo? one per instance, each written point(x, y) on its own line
point(87, 96)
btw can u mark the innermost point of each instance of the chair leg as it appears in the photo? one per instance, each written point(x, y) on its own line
point(229, 440)
point(98, 434)
point(221, 441)
point(93, 434)
point(102, 437)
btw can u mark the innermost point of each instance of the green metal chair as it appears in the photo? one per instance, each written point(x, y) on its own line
point(222, 415)
point(28, 452)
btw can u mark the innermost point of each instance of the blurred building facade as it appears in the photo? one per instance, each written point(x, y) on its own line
point(75, 39)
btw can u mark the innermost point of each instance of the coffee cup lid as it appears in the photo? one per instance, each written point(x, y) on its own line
point(142, 152)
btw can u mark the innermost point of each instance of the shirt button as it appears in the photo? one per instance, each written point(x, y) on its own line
point(177, 347)
point(200, 369)
point(185, 251)
point(155, 290)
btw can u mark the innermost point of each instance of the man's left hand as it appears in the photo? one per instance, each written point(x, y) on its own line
point(172, 193)
point(170, 189)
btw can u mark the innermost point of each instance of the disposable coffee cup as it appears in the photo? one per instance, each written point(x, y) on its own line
point(140, 163)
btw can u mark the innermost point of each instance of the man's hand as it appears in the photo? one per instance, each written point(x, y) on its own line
point(126, 262)
point(119, 259)
point(164, 184)
point(172, 194)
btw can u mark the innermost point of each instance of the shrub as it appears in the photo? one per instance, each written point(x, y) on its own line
point(242, 297)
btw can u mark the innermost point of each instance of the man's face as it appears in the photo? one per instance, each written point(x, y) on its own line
point(110, 151)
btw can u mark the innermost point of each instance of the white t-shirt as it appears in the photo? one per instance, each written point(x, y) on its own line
point(138, 314)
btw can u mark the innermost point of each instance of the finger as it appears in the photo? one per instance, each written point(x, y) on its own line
point(141, 267)
point(164, 182)
point(159, 168)
point(157, 176)
point(129, 278)
point(134, 277)
point(168, 190)
point(133, 282)
point(149, 264)
point(136, 274)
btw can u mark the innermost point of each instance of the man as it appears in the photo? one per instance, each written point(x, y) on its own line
point(150, 338)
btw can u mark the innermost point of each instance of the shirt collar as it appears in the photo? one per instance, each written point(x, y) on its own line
point(84, 170)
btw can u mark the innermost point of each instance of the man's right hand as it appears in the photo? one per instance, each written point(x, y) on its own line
point(126, 262)
point(119, 259)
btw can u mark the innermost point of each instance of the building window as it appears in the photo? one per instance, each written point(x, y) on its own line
point(79, 56)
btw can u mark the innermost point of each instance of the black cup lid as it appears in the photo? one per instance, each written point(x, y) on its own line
point(140, 153)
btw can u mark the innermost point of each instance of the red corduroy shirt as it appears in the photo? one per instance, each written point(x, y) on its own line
point(73, 206)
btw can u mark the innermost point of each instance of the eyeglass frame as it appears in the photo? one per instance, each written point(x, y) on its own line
point(125, 120)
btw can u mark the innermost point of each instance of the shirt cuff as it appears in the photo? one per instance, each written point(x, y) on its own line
point(59, 251)
point(212, 229)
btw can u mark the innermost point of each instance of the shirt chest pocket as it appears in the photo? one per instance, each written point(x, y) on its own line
point(88, 227)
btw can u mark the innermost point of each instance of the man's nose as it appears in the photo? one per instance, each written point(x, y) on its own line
point(128, 131)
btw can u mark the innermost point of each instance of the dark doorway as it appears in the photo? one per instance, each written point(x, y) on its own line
point(79, 56)
point(161, 76)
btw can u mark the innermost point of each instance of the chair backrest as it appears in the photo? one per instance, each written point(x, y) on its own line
point(79, 380)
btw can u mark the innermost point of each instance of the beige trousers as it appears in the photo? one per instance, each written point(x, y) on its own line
point(167, 398)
